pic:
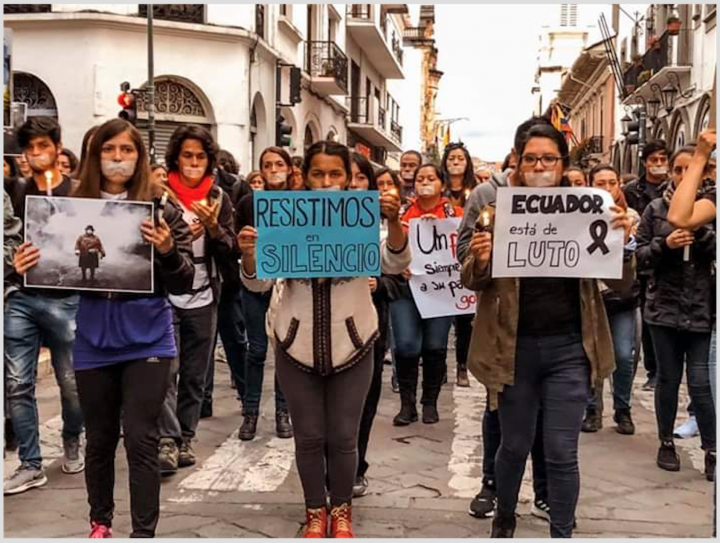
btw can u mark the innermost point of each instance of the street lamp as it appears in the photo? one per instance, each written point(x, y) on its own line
point(624, 122)
point(653, 108)
point(670, 92)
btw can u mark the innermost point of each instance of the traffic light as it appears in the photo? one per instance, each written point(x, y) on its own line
point(282, 132)
point(633, 129)
point(127, 101)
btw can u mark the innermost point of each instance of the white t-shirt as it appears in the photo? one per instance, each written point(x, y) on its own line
point(202, 294)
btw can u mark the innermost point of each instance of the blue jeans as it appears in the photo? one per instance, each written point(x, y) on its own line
point(623, 327)
point(414, 335)
point(255, 306)
point(675, 350)
point(29, 320)
point(552, 371)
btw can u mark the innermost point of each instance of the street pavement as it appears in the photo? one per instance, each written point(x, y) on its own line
point(422, 478)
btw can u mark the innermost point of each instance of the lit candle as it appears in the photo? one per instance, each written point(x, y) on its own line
point(467, 193)
point(204, 201)
point(393, 191)
point(686, 253)
point(48, 182)
point(485, 219)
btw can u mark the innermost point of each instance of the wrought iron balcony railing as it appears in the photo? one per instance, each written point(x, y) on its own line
point(326, 59)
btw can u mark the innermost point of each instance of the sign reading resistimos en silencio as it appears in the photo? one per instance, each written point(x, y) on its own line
point(306, 234)
point(556, 232)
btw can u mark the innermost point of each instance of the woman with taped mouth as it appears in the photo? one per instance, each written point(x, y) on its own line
point(325, 330)
point(124, 343)
point(414, 336)
point(539, 342)
point(680, 310)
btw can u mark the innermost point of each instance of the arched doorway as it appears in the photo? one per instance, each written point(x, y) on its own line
point(678, 132)
point(703, 117)
point(258, 129)
point(177, 102)
point(32, 91)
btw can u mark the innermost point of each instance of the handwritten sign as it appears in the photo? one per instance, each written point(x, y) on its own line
point(559, 232)
point(435, 282)
point(307, 234)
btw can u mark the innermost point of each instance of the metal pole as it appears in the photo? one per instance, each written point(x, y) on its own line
point(151, 85)
point(642, 139)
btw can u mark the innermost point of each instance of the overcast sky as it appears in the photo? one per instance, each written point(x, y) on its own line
point(488, 54)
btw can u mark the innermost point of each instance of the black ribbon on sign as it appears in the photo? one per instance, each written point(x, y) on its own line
point(598, 233)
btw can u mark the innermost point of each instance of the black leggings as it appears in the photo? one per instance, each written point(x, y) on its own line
point(326, 415)
point(134, 390)
point(551, 372)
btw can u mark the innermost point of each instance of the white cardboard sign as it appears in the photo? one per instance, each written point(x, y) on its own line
point(556, 232)
point(435, 283)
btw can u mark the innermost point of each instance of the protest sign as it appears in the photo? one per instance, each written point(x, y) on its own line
point(556, 232)
point(309, 234)
point(435, 282)
point(89, 244)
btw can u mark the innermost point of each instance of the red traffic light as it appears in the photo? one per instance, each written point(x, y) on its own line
point(126, 100)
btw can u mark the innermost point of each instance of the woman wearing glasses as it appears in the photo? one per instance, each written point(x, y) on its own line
point(539, 341)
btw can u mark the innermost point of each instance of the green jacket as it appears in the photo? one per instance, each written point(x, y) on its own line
point(492, 347)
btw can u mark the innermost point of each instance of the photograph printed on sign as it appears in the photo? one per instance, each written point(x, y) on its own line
point(435, 281)
point(556, 232)
point(89, 244)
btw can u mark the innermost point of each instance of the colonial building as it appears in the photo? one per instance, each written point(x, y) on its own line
point(223, 66)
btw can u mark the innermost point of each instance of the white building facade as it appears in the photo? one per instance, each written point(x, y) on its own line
point(222, 66)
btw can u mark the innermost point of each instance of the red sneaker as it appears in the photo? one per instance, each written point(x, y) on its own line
point(316, 523)
point(99, 531)
point(341, 523)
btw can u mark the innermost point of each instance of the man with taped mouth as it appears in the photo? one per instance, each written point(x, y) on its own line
point(89, 250)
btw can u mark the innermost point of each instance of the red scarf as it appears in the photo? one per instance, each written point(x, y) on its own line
point(188, 195)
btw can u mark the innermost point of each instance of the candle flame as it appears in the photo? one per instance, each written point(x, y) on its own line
point(48, 176)
point(394, 192)
point(486, 218)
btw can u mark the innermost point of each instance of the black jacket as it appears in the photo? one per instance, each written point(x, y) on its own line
point(640, 193)
point(680, 295)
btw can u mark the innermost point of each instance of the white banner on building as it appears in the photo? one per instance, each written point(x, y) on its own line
point(558, 232)
point(435, 283)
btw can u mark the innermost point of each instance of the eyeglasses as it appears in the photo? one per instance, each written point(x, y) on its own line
point(546, 160)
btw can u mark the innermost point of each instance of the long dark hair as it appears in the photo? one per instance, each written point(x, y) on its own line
point(330, 148)
point(366, 168)
point(469, 180)
point(91, 176)
point(191, 132)
point(85, 147)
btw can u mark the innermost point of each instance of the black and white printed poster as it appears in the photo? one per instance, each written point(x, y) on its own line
point(89, 244)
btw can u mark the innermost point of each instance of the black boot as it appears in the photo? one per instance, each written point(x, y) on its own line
point(407, 372)
point(503, 526)
point(434, 369)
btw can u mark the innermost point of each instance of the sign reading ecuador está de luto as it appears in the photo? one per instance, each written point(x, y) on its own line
point(305, 234)
point(556, 232)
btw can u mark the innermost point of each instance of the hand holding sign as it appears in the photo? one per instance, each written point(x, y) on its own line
point(26, 257)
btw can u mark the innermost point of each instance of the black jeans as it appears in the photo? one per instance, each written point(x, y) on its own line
point(675, 349)
point(326, 415)
point(648, 347)
point(195, 334)
point(134, 391)
point(463, 333)
point(551, 372)
point(373, 396)
point(231, 327)
point(491, 443)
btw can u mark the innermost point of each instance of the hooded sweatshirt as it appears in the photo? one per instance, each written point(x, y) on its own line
point(481, 196)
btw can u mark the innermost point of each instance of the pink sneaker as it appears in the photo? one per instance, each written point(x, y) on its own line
point(99, 531)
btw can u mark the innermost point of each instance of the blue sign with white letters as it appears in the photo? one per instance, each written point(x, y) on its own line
point(306, 234)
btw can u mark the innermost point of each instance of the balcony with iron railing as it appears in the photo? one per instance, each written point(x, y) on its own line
point(368, 26)
point(643, 68)
point(180, 13)
point(370, 121)
point(328, 67)
point(417, 37)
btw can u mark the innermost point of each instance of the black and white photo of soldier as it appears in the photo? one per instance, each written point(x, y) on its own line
point(100, 237)
point(89, 250)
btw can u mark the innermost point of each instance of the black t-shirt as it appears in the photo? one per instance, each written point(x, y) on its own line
point(549, 306)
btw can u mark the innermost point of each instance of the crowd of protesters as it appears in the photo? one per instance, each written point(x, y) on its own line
point(141, 366)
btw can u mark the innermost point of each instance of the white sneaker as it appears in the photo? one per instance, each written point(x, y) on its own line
point(688, 429)
point(74, 457)
point(24, 478)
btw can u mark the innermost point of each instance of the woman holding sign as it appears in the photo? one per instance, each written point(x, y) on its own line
point(539, 342)
point(124, 344)
point(416, 337)
point(325, 331)
point(680, 312)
